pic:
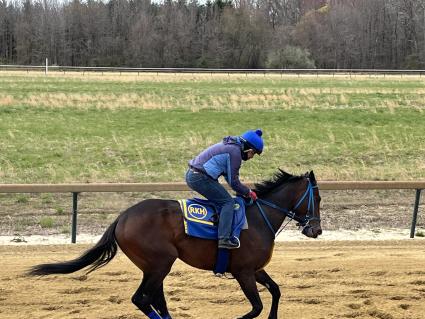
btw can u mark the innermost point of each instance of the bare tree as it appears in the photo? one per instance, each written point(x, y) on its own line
point(8, 22)
point(216, 33)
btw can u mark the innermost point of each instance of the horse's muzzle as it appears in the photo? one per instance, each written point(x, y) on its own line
point(312, 232)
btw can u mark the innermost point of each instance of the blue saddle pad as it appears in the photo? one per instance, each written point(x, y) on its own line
point(201, 217)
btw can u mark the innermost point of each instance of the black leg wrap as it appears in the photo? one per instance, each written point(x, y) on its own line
point(143, 302)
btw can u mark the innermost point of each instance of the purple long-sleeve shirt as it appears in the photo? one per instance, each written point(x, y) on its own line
point(223, 159)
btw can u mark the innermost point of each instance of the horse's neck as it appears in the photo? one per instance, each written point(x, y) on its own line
point(274, 216)
point(277, 217)
point(282, 198)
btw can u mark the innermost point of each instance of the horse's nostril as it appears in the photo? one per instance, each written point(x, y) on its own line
point(319, 232)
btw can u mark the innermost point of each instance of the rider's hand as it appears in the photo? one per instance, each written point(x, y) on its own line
point(252, 195)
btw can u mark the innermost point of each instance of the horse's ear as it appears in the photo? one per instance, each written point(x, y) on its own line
point(311, 176)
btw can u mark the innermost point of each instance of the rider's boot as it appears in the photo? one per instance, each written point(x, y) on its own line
point(225, 240)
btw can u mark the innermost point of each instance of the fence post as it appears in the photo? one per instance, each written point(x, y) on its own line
point(415, 213)
point(74, 217)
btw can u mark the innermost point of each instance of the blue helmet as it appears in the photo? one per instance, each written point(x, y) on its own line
point(253, 140)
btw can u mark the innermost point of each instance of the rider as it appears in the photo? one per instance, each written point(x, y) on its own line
point(224, 159)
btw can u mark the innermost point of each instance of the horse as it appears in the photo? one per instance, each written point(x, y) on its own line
point(152, 236)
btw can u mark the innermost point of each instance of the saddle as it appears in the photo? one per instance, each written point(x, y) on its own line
point(201, 218)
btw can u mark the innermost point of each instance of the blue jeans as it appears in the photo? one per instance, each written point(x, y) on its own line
point(216, 193)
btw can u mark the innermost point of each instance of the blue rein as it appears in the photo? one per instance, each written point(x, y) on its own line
point(291, 213)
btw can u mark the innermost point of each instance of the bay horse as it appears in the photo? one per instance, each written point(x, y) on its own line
point(152, 235)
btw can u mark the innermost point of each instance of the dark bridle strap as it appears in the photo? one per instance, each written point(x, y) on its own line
point(286, 212)
point(264, 214)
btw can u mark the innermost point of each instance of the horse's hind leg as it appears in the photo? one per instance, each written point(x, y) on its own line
point(264, 279)
point(149, 297)
point(141, 300)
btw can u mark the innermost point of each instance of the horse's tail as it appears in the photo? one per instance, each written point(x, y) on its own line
point(98, 256)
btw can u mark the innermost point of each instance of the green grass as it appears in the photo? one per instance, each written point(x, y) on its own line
point(46, 222)
point(22, 223)
point(22, 199)
point(209, 92)
point(146, 130)
point(65, 230)
point(420, 233)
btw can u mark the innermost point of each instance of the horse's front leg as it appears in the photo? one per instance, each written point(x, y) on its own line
point(160, 304)
point(264, 279)
point(247, 282)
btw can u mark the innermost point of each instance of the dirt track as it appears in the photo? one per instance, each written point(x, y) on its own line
point(381, 279)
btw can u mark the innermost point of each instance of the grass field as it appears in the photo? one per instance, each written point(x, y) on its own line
point(129, 128)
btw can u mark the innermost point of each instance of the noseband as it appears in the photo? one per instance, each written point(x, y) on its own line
point(303, 222)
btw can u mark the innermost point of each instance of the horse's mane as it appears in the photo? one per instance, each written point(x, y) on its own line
point(280, 178)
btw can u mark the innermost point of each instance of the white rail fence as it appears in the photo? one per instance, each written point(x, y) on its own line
point(46, 68)
point(75, 189)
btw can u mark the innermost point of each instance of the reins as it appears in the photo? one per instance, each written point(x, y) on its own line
point(303, 222)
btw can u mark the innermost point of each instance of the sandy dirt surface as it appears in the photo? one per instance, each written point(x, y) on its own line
point(363, 266)
point(318, 279)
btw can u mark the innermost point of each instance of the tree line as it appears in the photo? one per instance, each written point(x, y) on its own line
point(215, 34)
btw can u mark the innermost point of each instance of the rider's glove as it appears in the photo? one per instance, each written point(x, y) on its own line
point(252, 195)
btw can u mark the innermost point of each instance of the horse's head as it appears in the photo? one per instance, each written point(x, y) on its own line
point(307, 206)
point(297, 197)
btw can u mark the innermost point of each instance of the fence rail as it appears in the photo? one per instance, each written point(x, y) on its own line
point(159, 187)
point(75, 189)
point(45, 69)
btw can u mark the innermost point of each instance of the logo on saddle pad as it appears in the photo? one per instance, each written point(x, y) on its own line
point(197, 211)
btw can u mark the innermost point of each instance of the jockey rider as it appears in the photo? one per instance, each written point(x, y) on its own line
point(224, 159)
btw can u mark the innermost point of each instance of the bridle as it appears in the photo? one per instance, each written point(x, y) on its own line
point(292, 213)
